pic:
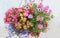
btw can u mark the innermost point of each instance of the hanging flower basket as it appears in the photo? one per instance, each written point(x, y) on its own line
point(28, 19)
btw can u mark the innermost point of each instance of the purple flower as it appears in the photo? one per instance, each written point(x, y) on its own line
point(10, 28)
point(11, 31)
point(30, 16)
point(14, 17)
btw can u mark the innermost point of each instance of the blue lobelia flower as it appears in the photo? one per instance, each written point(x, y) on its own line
point(24, 32)
point(11, 30)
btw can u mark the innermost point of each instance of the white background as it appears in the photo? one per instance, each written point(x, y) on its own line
point(54, 24)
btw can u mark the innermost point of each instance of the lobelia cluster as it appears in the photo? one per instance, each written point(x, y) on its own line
point(29, 19)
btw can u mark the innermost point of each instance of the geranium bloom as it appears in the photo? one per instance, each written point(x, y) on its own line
point(31, 11)
point(40, 26)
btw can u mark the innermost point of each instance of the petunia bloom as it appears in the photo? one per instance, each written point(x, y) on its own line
point(40, 26)
point(39, 18)
point(30, 16)
point(46, 8)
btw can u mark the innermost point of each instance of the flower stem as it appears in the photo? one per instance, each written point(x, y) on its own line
point(36, 37)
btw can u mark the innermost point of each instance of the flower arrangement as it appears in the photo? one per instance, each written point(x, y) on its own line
point(29, 19)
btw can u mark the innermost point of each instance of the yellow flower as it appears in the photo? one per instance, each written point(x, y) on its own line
point(19, 24)
point(31, 25)
point(21, 14)
point(25, 27)
point(21, 18)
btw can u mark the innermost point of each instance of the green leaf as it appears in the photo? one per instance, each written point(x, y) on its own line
point(47, 18)
point(34, 6)
point(45, 29)
point(52, 16)
point(38, 30)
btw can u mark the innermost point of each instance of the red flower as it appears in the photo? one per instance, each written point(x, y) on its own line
point(38, 34)
point(31, 11)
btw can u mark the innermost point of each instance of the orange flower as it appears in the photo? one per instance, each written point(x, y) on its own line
point(18, 26)
point(46, 24)
point(28, 23)
point(24, 19)
point(24, 14)
point(28, 26)
point(21, 9)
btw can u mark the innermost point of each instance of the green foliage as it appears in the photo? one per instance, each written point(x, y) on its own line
point(34, 6)
point(33, 20)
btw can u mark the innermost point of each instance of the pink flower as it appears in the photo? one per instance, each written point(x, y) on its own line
point(26, 12)
point(40, 26)
point(10, 11)
point(40, 5)
point(46, 8)
point(10, 16)
point(49, 12)
point(16, 24)
point(39, 18)
point(9, 20)
point(16, 9)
